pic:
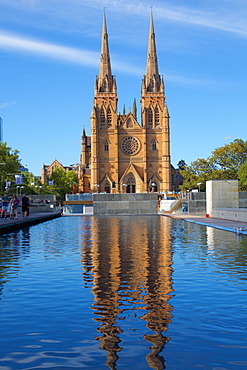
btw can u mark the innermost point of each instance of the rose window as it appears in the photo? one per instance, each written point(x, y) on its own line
point(130, 145)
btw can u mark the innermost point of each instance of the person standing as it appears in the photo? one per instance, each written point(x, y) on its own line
point(13, 207)
point(25, 206)
point(5, 204)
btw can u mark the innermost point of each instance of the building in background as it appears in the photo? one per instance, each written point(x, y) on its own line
point(47, 170)
point(123, 155)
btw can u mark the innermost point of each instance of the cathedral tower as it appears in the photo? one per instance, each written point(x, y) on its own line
point(124, 155)
point(155, 119)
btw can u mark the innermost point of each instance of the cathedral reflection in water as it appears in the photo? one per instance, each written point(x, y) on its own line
point(129, 267)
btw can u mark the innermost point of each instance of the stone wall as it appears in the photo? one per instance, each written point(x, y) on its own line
point(242, 199)
point(233, 214)
point(221, 194)
point(125, 204)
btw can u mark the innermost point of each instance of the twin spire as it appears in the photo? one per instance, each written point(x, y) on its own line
point(152, 63)
point(105, 63)
point(105, 81)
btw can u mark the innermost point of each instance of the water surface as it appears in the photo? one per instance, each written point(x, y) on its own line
point(124, 292)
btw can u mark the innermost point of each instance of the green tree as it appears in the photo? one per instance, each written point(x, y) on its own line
point(223, 164)
point(230, 157)
point(63, 182)
point(9, 164)
point(242, 175)
point(29, 179)
point(197, 172)
point(182, 165)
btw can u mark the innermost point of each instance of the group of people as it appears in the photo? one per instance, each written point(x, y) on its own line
point(11, 204)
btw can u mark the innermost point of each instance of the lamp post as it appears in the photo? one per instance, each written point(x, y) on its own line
point(199, 184)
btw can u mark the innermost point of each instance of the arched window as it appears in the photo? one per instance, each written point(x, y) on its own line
point(103, 86)
point(150, 117)
point(109, 116)
point(129, 123)
point(102, 117)
point(130, 185)
point(107, 188)
point(151, 86)
point(154, 145)
point(157, 116)
point(106, 146)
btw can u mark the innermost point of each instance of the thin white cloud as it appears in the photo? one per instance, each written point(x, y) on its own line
point(5, 105)
point(21, 44)
point(228, 138)
point(63, 53)
point(223, 15)
point(188, 80)
point(72, 55)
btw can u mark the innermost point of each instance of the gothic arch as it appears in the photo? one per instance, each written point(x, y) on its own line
point(129, 123)
point(106, 146)
point(156, 116)
point(109, 115)
point(102, 116)
point(154, 184)
point(149, 117)
point(154, 145)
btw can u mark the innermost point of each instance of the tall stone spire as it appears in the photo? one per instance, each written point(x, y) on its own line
point(152, 78)
point(105, 78)
point(152, 63)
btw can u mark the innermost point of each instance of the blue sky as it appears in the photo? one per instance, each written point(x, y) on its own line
point(50, 57)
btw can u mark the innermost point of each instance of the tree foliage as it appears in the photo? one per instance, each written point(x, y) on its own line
point(9, 163)
point(242, 175)
point(182, 165)
point(63, 182)
point(230, 157)
point(223, 164)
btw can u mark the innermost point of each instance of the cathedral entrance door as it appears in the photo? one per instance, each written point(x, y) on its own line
point(107, 189)
point(130, 185)
point(130, 189)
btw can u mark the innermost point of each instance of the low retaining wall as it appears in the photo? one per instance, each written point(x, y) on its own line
point(233, 214)
point(125, 204)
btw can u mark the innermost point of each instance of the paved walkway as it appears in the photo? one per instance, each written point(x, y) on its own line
point(7, 224)
point(234, 226)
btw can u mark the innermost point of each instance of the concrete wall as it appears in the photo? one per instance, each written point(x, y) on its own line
point(233, 214)
point(167, 204)
point(221, 194)
point(49, 208)
point(125, 204)
point(197, 203)
point(242, 199)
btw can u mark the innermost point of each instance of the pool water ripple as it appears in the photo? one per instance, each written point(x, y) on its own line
point(123, 293)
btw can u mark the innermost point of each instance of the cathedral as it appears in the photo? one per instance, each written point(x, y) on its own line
point(123, 155)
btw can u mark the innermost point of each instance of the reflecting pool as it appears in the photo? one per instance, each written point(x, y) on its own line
point(144, 292)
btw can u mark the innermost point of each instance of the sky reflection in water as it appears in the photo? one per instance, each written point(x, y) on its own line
point(122, 293)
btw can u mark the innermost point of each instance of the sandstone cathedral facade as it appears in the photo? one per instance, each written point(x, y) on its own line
point(122, 155)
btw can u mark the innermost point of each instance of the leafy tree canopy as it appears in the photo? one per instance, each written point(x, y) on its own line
point(224, 163)
point(9, 163)
point(63, 181)
point(182, 164)
point(242, 175)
